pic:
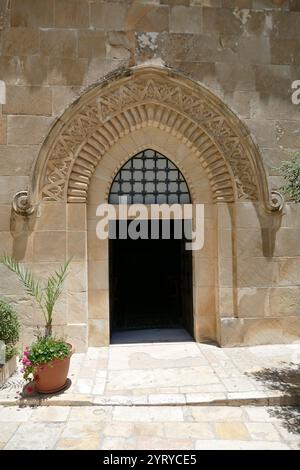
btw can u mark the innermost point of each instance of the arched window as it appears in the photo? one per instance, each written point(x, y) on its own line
point(149, 178)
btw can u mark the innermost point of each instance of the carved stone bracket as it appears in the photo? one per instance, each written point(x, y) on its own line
point(276, 201)
point(22, 204)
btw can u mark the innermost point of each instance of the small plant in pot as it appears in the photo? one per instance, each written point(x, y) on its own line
point(47, 360)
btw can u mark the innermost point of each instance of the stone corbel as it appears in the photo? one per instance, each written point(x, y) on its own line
point(276, 201)
point(22, 204)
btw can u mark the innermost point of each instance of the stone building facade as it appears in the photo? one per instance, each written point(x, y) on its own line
point(208, 84)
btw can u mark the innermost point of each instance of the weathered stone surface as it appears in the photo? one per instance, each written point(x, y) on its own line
point(58, 43)
point(16, 160)
point(20, 41)
point(77, 278)
point(66, 71)
point(120, 45)
point(72, 13)
point(263, 132)
point(98, 304)
point(76, 217)
point(285, 25)
point(50, 414)
point(24, 70)
point(289, 271)
point(77, 335)
point(268, 106)
point(49, 246)
point(27, 129)
point(248, 331)
point(240, 4)
point(232, 77)
point(186, 20)
point(175, 2)
point(34, 100)
point(51, 217)
point(77, 245)
point(288, 134)
point(257, 271)
point(108, 17)
point(98, 332)
point(285, 51)
point(62, 97)
point(147, 17)
point(32, 13)
point(91, 44)
point(77, 308)
point(284, 301)
point(254, 302)
point(294, 5)
point(3, 130)
point(26, 439)
point(231, 431)
point(152, 414)
point(9, 185)
point(220, 21)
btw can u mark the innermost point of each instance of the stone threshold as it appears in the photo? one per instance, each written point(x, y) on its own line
point(196, 399)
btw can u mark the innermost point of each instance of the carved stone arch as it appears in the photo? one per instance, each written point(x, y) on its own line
point(150, 115)
point(143, 97)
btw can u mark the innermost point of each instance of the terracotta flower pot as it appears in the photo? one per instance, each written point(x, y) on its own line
point(52, 376)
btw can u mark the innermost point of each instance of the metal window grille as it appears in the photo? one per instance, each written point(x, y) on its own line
point(149, 178)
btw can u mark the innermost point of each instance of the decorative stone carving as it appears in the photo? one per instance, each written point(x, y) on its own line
point(276, 201)
point(21, 204)
point(151, 97)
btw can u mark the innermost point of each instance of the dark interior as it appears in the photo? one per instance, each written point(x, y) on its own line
point(150, 283)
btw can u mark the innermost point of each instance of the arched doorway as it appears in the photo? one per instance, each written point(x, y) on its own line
point(132, 111)
point(150, 275)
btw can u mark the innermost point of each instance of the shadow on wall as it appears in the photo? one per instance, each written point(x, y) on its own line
point(287, 380)
point(21, 228)
point(270, 223)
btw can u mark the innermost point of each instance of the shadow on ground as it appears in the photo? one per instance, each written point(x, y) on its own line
point(285, 379)
point(29, 391)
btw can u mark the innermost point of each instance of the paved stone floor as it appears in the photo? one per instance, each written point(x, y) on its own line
point(146, 395)
point(149, 427)
point(175, 371)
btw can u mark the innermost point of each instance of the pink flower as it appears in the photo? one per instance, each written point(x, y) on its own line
point(22, 370)
point(29, 389)
point(26, 353)
point(26, 362)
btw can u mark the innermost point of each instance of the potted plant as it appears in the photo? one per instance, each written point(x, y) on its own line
point(9, 336)
point(47, 360)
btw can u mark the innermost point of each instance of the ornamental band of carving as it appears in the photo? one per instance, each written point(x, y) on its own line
point(152, 97)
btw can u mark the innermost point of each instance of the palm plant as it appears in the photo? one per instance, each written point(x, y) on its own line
point(46, 294)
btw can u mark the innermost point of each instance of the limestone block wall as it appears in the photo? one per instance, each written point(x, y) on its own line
point(245, 51)
point(259, 292)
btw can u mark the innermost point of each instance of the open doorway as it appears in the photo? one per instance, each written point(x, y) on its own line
point(150, 284)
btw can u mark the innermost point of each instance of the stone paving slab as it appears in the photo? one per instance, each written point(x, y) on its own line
point(144, 427)
point(174, 374)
